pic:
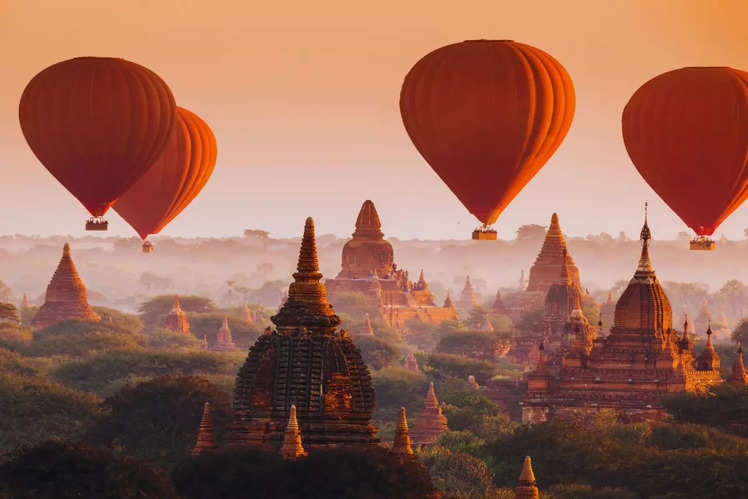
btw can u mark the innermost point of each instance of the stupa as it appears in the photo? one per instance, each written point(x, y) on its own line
point(306, 362)
point(411, 363)
point(224, 342)
point(25, 302)
point(292, 447)
point(401, 442)
point(430, 423)
point(177, 320)
point(468, 297)
point(738, 377)
point(66, 296)
point(608, 309)
point(629, 370)
point(498, 305)
point(205, 440)
point(368, 267)
point(704, 317)
point(367, 330)
point(247, 314)
point(527, 488)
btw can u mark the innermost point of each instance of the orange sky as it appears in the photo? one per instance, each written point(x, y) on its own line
point(303, 99)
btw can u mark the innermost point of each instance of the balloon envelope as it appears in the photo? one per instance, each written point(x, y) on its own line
point(686, 131)
point(174, 180)
point(487, 115)
point(97, 124)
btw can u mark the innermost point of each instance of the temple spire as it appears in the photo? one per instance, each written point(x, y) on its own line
point(685, 327)
point(565, 277)
point(205, 441)
point(431, 400)
point(368, 224)
point(401, 443)
point(308, 265)
point(448, 301)
point(368, 330)
point(292, 447)
point(527, 487)
point(644, 269)
point(421, 279)
point(738, 377)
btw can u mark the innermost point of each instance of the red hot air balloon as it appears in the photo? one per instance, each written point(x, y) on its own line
point(686, 131)
point(173, 181)
point(97, 124)
point(487, 115)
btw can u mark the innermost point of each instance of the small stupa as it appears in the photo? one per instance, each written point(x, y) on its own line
point(411, 363)
point(25, 302)
point(738, 377)
point(708, 360)
point(401, 443)
point(448, 302)
point(205, 441)
point(292, 447)
point(498, 305)
point(527, 488)
point(247, 314)
point(177, 319)
point(486, 326)
point(66, 296)
point(468, 297)
point(367, 329)
point(430, 423)
point(224, 341)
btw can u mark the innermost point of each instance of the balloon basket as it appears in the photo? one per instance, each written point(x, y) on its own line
point(97, 223)
point(702, 243)
point(485, 233)
point(147, 247)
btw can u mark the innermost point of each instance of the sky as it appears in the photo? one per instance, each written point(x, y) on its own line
point(303, 100)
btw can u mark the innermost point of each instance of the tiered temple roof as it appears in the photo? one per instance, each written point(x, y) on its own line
point(630, 369)
point(367, 253)
point(224, 340)
point(468, 297)
point(306, 362)
point(430, 423)
point(527, 488)
point(177, 320)
point(547, 266)
point(66, 296)
point(205, 440)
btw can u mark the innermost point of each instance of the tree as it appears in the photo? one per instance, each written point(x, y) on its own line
point(477, 318)
point(375, 352)
point(150, 281)
point(166, 339)
point(531, 233)
point(740, 333)
point(723, 407)
point(154, 311)
point(485, 346)
point(59, 470)
point(8, 313)
point(442, 365)
point(128, 322)
point(78, 338)
point(458, 474)
point(6, 295)
point(158, 420)
point(243, 333)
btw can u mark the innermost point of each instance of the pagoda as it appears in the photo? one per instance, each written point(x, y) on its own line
point(25, 304)
point(527, 488)
point(430, 423)
point(411, 363)
point(401, 442)
point(628, 371)
point(205, 440)
point(247, 314)
point(308, 363)
point(177, 320)
point(608, 309)
point(367, 330)
point(66, 296)
point(224, 342)
point(498, 305)
point(738, 377)
point(468, 297)
point(292, 447)
point(368, 267)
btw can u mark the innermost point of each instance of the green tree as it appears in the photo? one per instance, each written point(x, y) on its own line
point(154, 311)
point(458, 474)
point(243, 333)
point(77, 338)
point(740, 334)
point(375, 352)
point(166, 339)
point(158, 420)
point(128, 322)
point(442, 366)
point(486, 346)
point(723, 407)
point(8, 312)
point(60, 470)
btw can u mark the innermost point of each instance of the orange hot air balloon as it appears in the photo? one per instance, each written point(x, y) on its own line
point(175, 178)
point(487, 115)
point(686, 131)
point(97, 124)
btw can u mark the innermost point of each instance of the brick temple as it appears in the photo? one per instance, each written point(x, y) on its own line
point(306, 362)
point(368, 267)
point(176, 319)
point(66, 296)
point(628, 371)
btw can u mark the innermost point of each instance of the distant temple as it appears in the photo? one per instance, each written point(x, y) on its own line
point(411, 363)
point(368, 267)
point(224, 341)
point(177, 320)
point(527, 488)
point(306, 362)
point(498, 305)
point(66, 296)
point(205, 439)
point(430, 423)
point(608, 309)
point(629, 370)
point(247, 314)
point(468, 297)
point(738, 377)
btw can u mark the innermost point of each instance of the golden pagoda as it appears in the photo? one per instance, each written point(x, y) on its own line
point(401, 443)
point(66, 296)
point(527, 488)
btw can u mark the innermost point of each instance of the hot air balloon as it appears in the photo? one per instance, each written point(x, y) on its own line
point(487, 115)
point(97, 124)
point(174, 179)
point(686, 131)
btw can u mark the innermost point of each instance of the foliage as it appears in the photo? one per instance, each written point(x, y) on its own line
point(477, 318)
point(442, 365)
point(158, 420)
point(477, 413)
point(576, 491)
point(59, 470)
point(461, 441)
point(397, 387)
point(458, 474)
point(166, 339)
point(692, 436)
point(154, 311)
point(375, 352)
point(14, 337)
point(27, 314)
point(8, 312)
point(243, 333)
point(529, 319)
point(485, 346)
point(367, 474)
point(740, 333)
point(6, 295)
point(723, 407)
point(77, 338)
point(98, 374)
point(128, 322)
point(15, 363)
point(33, 410)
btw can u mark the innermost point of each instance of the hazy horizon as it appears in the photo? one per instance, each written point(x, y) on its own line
point(303, 101)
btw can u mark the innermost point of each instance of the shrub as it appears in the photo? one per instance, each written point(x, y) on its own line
point(128, 322)
point(76, 338)
point(375, 352)
point(442, 365)
point(458, 474)
point(486, 346)
point(243, 333)
point(166, 339)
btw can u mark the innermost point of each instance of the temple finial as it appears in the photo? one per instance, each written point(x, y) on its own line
point(526, 487)
point(308, 261)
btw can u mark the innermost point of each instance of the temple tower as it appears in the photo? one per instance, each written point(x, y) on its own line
point(527, 488)
point(307, 363)
point(205, 441)
point(247, 314)
point(547, 266)
point(292, 447)
point(177, 320)
point(468, 297)
point(738, 377)
point(401, 443)
point(367, 253)
point(368, 330)
point(430, 423)
point(498, 305)
point(411, 363)
point(224, 340)
point(448, 302)
point(708, 360)
point(66, 296)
